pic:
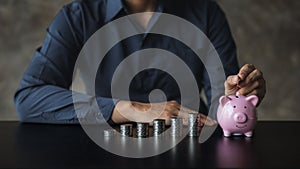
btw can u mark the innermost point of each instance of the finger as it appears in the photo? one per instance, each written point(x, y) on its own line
point(210, 121)
point(245, 91)
point(253, 76)
point(174, 113)
point(173, 106)
point(166, 118)
point(168, 114)
point(207, 120)
point(200, 124)
point(187, 110)
point(245, 71)
point(174, 103)
point(231, 81)
point(172, 110)
point(231, 85)
point(167, 121)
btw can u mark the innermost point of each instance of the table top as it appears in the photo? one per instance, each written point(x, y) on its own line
point(275, 144)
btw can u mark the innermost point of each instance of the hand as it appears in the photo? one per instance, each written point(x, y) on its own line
point(202, 119)
point(249, 81)
point(126, 111)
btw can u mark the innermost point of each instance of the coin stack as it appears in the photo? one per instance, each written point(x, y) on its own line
point(126, 130)
point(193, 124)
point(109, 132)
point(158, 126)
point(176, 126)
point(142, 129)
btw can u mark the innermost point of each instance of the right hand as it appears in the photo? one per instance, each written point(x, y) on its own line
point(249, 81)
point(126, 111)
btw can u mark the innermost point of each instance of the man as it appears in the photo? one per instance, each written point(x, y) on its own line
point(44, 95)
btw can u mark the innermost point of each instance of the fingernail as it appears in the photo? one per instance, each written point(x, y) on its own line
point(234, 79)
point(215, 122)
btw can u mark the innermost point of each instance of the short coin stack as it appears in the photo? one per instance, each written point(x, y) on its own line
point(176, 126)
point(193, 124)
point(158, 126)
point(126, 130)
point(142, 129)
point(109, 132)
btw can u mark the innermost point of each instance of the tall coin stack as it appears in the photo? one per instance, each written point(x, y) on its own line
point(142, 129)
point(176, 126)
point(193, 124)
point(126, 130)
point(159, 126)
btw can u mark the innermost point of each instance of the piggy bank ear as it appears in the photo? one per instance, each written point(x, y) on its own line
point(253, 99)
point(224, 99)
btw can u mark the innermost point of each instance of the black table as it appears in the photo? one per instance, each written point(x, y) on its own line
point(275, 144)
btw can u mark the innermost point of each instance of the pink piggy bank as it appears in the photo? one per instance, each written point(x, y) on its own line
point(237, 114)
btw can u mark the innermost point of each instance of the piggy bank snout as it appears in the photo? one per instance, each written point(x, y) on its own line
point(240, 117)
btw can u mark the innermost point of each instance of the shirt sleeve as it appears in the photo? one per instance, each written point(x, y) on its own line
point(219, 34)
point(43, 95)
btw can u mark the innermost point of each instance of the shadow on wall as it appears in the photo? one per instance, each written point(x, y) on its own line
point(265, 32)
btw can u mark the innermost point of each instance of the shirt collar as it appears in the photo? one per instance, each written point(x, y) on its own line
point(113, 7)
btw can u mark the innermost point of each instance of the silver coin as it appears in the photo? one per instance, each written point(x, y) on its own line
point(159, 126)
point(126, 130)
point(142, 129)
point(109, 132)
point(193, 125)
point(176, 126)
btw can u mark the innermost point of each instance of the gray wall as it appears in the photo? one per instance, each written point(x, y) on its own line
point(266, 33)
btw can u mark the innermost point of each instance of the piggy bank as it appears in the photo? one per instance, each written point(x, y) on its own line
point(237, 114)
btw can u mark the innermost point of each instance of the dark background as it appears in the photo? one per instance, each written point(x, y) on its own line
point(266, 32)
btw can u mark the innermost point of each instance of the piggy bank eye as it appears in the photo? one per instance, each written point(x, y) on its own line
point(234, 106)
point(245, 107)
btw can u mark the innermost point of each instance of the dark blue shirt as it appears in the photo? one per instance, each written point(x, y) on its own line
point(44, 94)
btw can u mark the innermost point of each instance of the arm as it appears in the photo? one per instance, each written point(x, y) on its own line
point(43, 95)
point(219, 34)
point(126, 111)
point(248, 80)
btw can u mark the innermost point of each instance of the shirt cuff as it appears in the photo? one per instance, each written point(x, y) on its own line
point(106, 107)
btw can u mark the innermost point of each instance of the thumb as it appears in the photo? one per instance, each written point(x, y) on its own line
point(231, 84)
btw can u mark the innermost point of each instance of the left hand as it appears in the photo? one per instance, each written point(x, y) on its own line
point(202, 119)
point(249, 81)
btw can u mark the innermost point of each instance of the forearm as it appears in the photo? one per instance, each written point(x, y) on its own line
point(127, 111)
point(117, 117)
point(55, 105)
